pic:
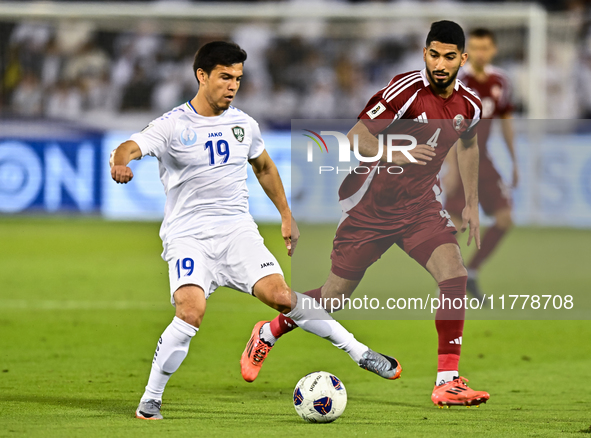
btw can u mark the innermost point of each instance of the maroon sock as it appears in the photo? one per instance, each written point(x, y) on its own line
point(491, 239)
point(281, 324)
point(450, 322)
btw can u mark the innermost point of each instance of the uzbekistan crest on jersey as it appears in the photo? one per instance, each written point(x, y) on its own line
point(238, 132)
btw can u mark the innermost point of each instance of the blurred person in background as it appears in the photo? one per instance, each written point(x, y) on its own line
point(493, 88)
point(64, 100)
point(27, 97)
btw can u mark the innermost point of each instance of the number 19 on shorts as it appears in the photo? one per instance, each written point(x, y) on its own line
point(187, 265)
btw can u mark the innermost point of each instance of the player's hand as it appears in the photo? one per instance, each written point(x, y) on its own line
point(121, 174)
point(515, 180)
point(291, 234)
point(423, 153)
point(470, 219)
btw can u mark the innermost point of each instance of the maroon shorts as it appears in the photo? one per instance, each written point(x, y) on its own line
point(493, 194)
point(357, 246)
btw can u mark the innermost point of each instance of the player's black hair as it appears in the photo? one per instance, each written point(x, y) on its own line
point(447, 32)
point(218, 53)
point(482, 32)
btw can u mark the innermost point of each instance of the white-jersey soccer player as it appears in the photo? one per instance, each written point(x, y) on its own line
point(209, 237)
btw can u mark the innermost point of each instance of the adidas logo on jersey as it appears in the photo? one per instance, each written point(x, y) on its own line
point(422, 118)
point(456, 341)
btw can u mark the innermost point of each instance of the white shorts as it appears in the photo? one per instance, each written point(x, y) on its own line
point(232, 255)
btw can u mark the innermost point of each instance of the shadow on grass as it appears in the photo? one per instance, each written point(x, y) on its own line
point(108, 406)
point(126, 408)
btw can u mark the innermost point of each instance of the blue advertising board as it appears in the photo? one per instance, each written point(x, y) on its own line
point(56, 168)
point(52, 175)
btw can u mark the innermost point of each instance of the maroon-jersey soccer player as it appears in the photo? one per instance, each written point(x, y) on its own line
point(381, 209)
point(493, 88)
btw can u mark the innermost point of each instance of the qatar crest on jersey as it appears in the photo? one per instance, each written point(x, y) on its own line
point(188, 137)
point(458, 122)
point(238, 132)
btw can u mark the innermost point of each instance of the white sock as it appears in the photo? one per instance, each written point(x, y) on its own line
point(446, 376)
point(319, 322)
point(171, 350)
point(266, 334)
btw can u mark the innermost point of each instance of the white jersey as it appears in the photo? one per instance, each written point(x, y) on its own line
point(202, 163)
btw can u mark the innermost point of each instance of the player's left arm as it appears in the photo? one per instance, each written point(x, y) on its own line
point(508, 135)
point(468, 163)
point(266, 172)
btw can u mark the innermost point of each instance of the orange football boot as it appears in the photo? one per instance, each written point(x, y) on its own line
point(254, 354)
point(457, 393)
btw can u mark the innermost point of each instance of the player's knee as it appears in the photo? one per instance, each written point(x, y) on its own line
point(504, 220)
point(276, 296)
point(190, 316)
point(460, 271)
point(453, 271)
point(337, 287)
point(190, 304)
point(329, 293)
point(280, 299)
point(274, 292)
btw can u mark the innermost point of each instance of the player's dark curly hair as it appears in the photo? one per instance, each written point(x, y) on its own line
point(218, 53)
point(447, 32)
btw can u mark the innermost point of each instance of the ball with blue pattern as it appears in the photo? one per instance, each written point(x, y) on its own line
point(320, 397)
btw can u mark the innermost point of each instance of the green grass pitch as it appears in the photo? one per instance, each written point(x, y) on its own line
point(82, 303)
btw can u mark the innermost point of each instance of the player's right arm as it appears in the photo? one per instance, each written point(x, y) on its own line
point(120, 158)
point(368, 147)
point(152, 140)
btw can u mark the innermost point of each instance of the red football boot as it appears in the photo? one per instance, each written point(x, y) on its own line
point(254, 354)
point(457, 393)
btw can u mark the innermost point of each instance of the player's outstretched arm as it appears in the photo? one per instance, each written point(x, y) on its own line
point(468, 163)
point(508, 135)
point(120, 158)
point(368, 147)
point(266, 172)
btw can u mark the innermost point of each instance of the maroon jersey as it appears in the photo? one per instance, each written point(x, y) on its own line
point(408, 106)
point(495, 94)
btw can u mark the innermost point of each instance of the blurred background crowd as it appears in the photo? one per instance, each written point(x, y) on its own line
point(75, 70)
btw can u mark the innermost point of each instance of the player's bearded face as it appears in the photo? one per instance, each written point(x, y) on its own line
point(443, 62)
point(221, 85)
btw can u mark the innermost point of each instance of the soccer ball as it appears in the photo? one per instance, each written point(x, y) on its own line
point(320, 397)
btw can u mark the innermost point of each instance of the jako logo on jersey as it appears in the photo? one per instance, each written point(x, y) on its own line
point(214, 134)
point(267, 264)
point(188, 137)
point(345, 150)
